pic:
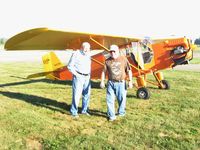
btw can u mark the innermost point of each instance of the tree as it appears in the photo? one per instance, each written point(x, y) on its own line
point(197, 41)
point(3, 41)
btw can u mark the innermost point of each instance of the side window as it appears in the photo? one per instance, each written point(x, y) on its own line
point(145, 50)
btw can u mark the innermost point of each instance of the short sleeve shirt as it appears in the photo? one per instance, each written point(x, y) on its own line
point(117, 68)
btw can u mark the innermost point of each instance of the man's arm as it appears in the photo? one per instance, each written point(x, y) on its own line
point(130, 75)
point(102, 84)
point(103, 76)
point(71, 64)
point(130, 82)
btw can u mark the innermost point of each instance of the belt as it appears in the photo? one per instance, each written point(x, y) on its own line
point(117, 80)
point(82, 73)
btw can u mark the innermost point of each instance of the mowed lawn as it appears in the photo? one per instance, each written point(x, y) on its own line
point(34, 114)
point(196, 57)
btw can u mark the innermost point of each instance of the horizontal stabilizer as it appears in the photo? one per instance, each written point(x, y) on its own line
point(41, 74)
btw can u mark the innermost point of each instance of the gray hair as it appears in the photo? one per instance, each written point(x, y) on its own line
point(85, 44)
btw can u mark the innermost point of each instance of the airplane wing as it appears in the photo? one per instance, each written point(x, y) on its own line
point(48, 39)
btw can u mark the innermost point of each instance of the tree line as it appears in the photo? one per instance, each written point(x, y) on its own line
point(3, 41)
point(197, 41)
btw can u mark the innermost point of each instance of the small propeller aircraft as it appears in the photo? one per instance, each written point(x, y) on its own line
point(144, 57)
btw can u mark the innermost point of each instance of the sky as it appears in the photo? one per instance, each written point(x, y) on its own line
point(135, 18)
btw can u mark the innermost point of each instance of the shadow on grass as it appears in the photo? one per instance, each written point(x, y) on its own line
point(94, 84)
point(131, 96)
point(38, 101)
point(46, 103)
point(29, 81)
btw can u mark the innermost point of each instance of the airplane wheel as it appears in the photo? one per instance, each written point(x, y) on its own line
point(143, 93)
point(166, 84)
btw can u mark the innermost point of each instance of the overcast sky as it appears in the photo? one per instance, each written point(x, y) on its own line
point(137, 18)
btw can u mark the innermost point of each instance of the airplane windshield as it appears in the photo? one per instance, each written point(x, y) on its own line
point(142, 52)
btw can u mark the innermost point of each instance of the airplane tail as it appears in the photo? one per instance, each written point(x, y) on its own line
point(54, 69)
point(51, 63)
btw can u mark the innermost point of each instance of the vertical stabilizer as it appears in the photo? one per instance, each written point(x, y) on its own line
point(51, 63)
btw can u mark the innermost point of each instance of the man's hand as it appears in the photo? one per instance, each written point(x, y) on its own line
point(130, 84)
point(102, 85)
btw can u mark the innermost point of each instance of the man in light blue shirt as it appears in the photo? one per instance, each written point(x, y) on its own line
point(80, 66)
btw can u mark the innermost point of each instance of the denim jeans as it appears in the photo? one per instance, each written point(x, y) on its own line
point(119, 90)
point(80, 86)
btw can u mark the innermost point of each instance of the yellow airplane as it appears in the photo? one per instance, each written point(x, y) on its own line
point(144, 57)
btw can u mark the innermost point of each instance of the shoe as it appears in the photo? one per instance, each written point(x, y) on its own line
point(86, 113)
point(75, 116)
point(111, 119)
point(120, 115)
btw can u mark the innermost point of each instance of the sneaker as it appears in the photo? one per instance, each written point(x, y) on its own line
point(86, 113)
point(120, 115)
point(75, 116)
point(111, 119)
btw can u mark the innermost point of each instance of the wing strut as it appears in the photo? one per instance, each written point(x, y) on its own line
point(108, 51)
point(97, 61)
point(99, 44)
point(93, 40)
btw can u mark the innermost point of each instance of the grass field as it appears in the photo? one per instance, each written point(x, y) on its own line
point(196, 58)
point(34, 114)
point(195, 61)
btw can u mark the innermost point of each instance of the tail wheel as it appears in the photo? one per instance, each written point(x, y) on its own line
point(166, 85)
point(143, 93)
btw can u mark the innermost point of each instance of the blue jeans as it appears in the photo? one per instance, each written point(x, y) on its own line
point(117, 89)
point(80, 86)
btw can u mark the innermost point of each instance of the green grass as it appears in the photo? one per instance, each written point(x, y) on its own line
point(34, 114)
point(195, 61)
point(196, 58)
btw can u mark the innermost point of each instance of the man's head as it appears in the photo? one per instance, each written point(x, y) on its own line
point(114, 51)
point(85, 47)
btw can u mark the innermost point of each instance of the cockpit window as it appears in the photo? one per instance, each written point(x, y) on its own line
point(142, 51)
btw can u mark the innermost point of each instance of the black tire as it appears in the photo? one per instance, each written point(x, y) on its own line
point(166, 85)
point(143, 93)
